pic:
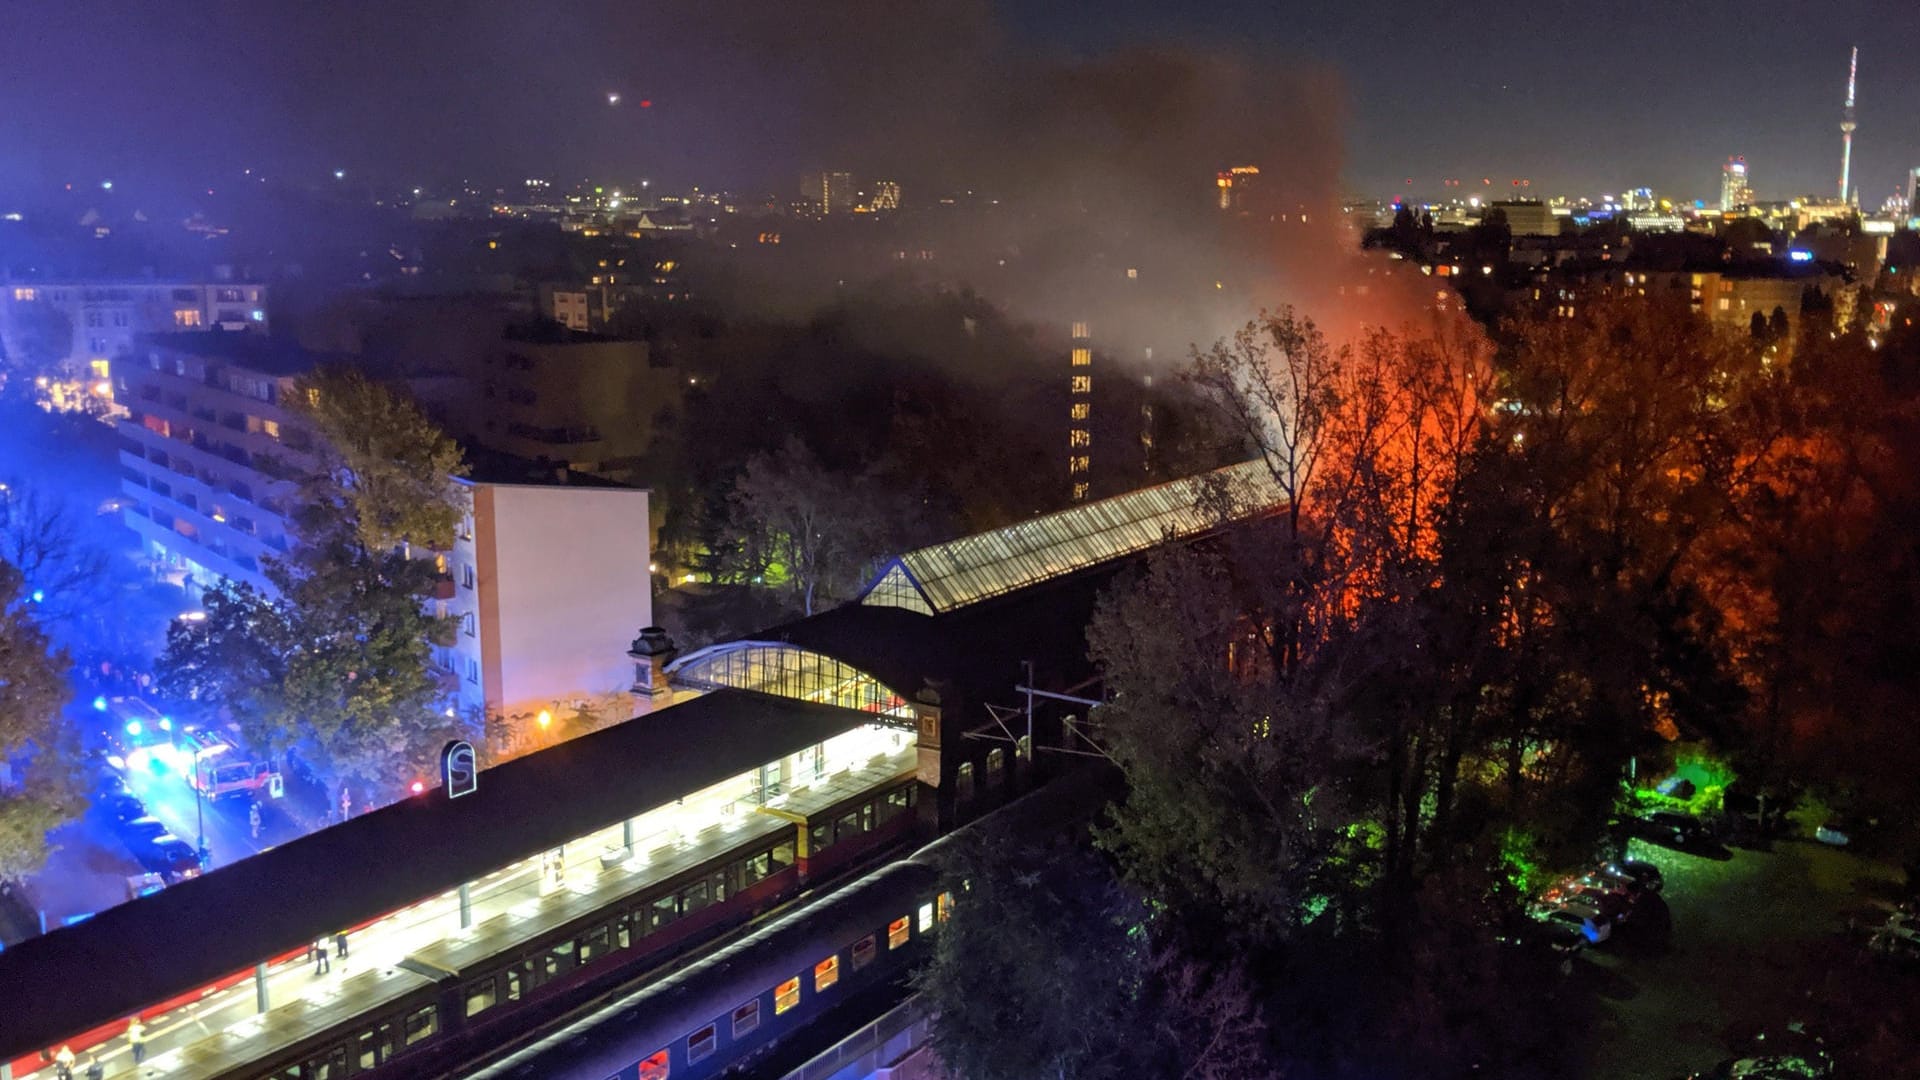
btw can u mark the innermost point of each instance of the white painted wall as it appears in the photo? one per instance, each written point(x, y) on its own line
point(573, 591)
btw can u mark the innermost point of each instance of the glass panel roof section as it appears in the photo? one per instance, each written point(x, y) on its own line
point(974, 568)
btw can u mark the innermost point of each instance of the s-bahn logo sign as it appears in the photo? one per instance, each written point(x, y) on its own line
point(459, 774)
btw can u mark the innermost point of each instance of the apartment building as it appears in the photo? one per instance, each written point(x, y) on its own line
point(549, 586)
point(73, 330)
point(547, 579)
point(209, 452)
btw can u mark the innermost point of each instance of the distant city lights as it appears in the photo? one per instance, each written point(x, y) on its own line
point(613, 98)
point(339, 174)
point(1800, 256)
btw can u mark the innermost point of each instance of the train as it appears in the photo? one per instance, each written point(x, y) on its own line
point(482, 988)
point(728, 1011)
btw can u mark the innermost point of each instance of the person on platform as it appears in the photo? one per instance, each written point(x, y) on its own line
point(63, 1063)
point(340, 945)
point(321, 964)
point(95, 1070)
point(137, 1039)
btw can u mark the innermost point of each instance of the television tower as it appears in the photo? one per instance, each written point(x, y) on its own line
point(1846, 127)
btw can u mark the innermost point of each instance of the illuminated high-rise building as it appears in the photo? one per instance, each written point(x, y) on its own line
point(886, 196)
point(828, 191)
point(1736, 189)
point(1913, 192)
point(1080, 414)
point(1235, 184)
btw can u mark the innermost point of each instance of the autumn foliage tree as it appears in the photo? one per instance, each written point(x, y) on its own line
point(338, 662)
point(39, 789)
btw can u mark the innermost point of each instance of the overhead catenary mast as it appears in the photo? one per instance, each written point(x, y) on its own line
point(1846, 128)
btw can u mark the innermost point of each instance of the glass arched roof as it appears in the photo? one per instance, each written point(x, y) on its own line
point(773, 667)
point(974, 568)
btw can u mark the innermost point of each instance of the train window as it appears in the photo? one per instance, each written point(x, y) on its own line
point(963, 783)
point(421, 1024)
point(719, 883)
point(481, 996)
point(926, 917)
point(560, 959)
point(897, 932)
point(786, 996)
point(826, 973)
point(693, 897)
point(701, 1044)
point(665, 910)
point(1024, 748)
point(821, 837)
point(847, 826)
point(366, 1049)
point(517, 979)
point(746, 1018)
point(893, 804)
point(755, 869)
point(996, 766)
point(782, 855)
point(863, 951)
point(654, 1066)
point(866, 818)
point(945, 909)
point(593, 944)
point(331, 1066)
point(623, 931)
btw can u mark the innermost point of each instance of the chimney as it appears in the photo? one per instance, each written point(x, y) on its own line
point(652, 651)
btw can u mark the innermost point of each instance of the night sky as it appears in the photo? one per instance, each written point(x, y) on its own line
point(1581, 98)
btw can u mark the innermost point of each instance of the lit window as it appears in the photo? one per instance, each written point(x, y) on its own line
point(1082, 384)
point(1082, 357)
point(945, 910)
point(24, 294)
point(897, 932)
point(926, 917)
point(1079, 438)
point(826, 973)
point(787, 996)
point(185, 317)
point(1080, 330)
point(746, 1018)
point(271, 427)
point(863, 951)
point(963, 783)
point(481, 996)
point(1081, 410)
point(700, 1045)
point(654, 1066)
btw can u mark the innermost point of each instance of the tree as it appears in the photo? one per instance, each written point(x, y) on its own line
point(390, 461)
point(339, 663)
point(1049, 968)
point(64, 574)
point(794, 521)
point(39, 789)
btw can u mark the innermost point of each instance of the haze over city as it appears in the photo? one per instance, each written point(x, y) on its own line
point(959, 540)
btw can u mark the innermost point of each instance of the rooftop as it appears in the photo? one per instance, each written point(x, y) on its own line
point(160, 946)
point(959, 572)
point(242, 348)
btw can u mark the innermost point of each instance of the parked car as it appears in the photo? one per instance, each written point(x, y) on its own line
point(1587, 921)
point(1675, 830)
point(1778, 1067)
point(1637, 876)
point(169, 856)
point(141, 830)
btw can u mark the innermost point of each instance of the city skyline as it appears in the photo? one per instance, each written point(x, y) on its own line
point(727, 97)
